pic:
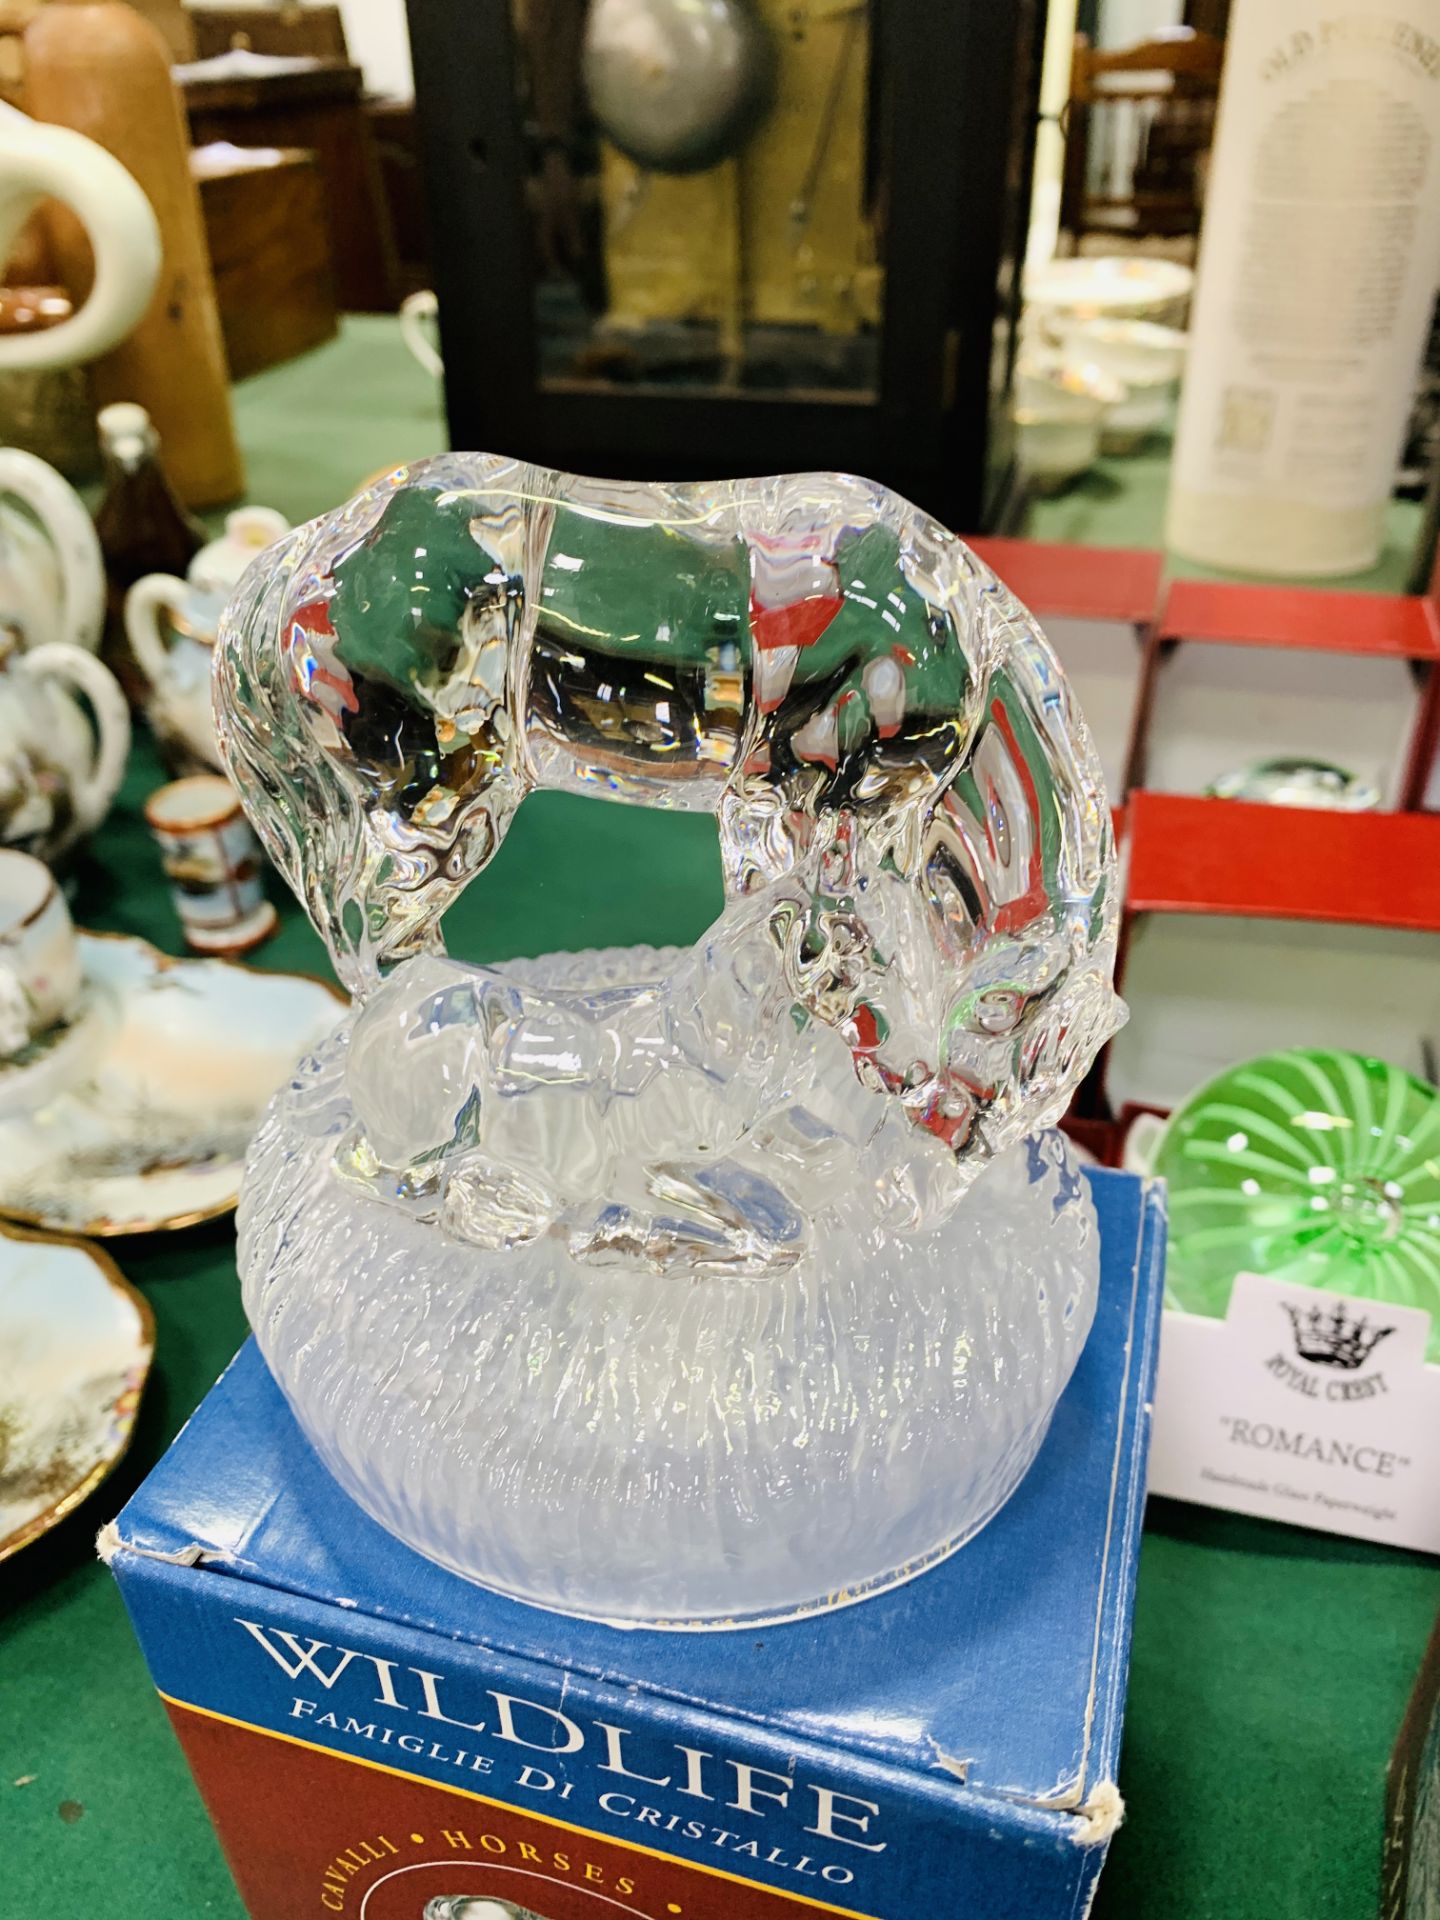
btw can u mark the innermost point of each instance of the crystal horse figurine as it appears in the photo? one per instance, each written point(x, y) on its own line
point(652, 1285)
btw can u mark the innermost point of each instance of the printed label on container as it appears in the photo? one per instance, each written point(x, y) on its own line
point(1303, 1406)
point(309, 1833)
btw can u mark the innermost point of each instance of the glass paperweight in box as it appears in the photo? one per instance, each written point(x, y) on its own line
point(684, 1287)
point(1314, 1166)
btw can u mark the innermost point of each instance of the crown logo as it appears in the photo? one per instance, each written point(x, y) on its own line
point(1333, 1339)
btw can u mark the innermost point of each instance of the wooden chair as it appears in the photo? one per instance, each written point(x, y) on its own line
point(1139, 123)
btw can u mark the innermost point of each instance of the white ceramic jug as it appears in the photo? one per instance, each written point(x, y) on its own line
point(171, 625)
point(38, 162)
point(58, 775)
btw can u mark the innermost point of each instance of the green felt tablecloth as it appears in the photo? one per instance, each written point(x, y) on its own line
point(1270, 1666)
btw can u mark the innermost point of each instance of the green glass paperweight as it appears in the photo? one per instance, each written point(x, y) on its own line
point(1315, 1167)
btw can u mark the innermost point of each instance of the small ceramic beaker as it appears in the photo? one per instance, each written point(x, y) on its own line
point(213, 862)
point(39, 955)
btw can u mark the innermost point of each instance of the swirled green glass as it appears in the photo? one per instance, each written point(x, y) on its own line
point(1316, 1167)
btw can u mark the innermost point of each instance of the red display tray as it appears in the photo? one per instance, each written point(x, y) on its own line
point(1080, 583)
point(1308, 619)
point(1187, 855)
point(1124, 586)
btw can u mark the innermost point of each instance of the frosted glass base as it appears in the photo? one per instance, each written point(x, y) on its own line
point(651, 1448)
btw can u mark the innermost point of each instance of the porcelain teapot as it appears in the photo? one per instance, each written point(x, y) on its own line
point(52, 582)
point(172, 623)
point(52, 576)
point(58, 772)
point(39, 162)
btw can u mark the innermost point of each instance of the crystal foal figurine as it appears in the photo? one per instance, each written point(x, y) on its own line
point(666, 1286)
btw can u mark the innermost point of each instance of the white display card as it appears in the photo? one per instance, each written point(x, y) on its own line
point(1303, 1406)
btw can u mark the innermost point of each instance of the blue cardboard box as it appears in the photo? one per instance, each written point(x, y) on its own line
point(377, 1738)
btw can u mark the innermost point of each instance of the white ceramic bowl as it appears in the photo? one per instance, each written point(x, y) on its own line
point(1060, 416)
point(1146, 357)
point(1139, 352)
point(1053, 450)
point(1048, 381)
point(1119, 287)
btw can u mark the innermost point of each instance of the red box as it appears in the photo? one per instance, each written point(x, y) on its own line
point(1248, 928)
point(1096, 605)
point(1237, 674)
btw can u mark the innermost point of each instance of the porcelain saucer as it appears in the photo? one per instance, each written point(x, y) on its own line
point(77, 1340)
point(138, 1119)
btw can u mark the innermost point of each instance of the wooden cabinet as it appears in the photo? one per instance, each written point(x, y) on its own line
point(270, 248)
point(319, 108)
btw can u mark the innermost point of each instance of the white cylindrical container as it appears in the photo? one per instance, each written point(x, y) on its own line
point(1319, 261)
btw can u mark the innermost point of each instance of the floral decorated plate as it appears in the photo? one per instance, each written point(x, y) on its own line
point(77, 1340)
point(142, 1123)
